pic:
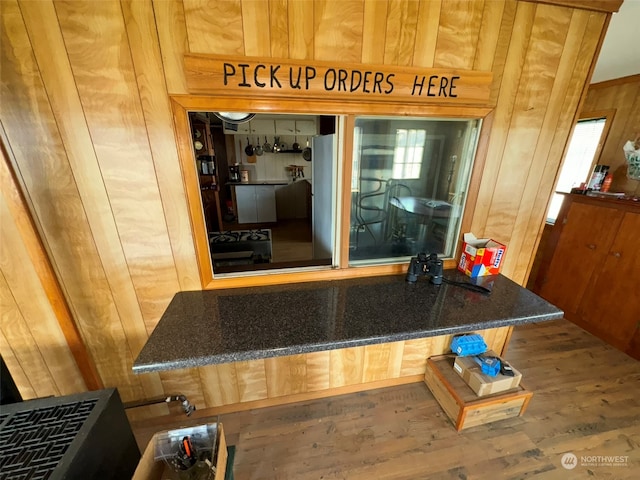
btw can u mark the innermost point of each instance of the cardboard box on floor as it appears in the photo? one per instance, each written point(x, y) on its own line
point(483, 384)
point(481, 256)
point(151, 469)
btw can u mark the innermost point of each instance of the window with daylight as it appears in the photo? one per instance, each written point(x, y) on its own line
point(409, 152)
point(578, 161)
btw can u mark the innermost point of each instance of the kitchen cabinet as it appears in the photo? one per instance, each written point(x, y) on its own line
point(237, 129)
point(592, 269)
point(255, 203)
point(295, 127)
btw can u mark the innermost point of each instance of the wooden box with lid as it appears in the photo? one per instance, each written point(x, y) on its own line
point(462, 405)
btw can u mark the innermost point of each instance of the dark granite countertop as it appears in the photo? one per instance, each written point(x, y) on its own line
point(220, 326)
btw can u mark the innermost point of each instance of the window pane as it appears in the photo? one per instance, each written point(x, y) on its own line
point(409, 186)
point(575, 168)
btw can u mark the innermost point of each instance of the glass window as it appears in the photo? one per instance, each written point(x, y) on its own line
point(575, 168)
point(409, 186)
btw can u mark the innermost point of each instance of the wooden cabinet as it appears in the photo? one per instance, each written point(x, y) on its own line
point(592, 268)
point(255, 203)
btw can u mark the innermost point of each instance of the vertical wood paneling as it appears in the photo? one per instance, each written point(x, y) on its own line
point(172, 37)
point(501, 48)
point(489, 34)
point(373, 31)
point(220, 384)
point(301, 24)
point(147, 61)
point(400, 36)
point(460, 23)
point(44, 167)
point(528, 209)
point(346, 366)
point(590, 41)
point(252, 380)
point(318, 369)
point(214, 26)
point(427, 33)
point(110, 98)
point(257, 38)
point(279, 28)
point(286, 375)
point(23, 346)
point(338, 30)
point(527, 123)
point(508, 88)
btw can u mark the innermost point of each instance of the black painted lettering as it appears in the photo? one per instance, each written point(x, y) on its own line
point(255, 76)
point(389, 83)
point(452, 86)
point(244, 67)
point(295, 85)
point(330, 74)
point(355, 84)
point(444, 81)
point(309, 74)
point(431, 85)
point(274, 79)
point(416, 84)
point(366, 81)
point(342, 79)
point(377, 80)
point(229, 71)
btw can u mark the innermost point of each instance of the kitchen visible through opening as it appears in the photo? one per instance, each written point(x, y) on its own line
point(268, 190)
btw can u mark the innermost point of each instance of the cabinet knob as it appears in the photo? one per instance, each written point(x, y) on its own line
point(616, 254)
point(591, 246)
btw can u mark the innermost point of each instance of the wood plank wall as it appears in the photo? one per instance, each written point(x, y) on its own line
point(86, 118)
point(623, 96)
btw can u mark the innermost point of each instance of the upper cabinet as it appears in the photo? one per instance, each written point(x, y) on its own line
point(306, 127)
point(263, 127)
point(271, 126)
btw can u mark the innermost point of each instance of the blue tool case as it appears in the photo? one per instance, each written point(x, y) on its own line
point(465, 345)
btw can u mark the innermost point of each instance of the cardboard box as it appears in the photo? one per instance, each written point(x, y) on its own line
point(463, 407)
point(483, 384)
point(151, 469)
point(481, 256)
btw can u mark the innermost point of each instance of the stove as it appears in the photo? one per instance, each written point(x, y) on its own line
point(81, 436)
point(240, 247)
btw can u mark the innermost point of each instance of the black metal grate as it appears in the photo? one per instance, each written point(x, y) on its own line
point(33, 442)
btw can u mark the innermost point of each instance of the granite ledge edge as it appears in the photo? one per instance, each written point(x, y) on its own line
point(202, 361)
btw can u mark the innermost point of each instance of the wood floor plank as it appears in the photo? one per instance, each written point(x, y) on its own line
point(586, 401)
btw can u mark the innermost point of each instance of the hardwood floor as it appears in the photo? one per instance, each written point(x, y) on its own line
point(586, 401)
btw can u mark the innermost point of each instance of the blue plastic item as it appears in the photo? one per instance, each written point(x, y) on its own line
point(489, 365)
point(466, 345)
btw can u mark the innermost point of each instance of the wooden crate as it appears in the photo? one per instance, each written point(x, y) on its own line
point(462, 405)
point(149, 469)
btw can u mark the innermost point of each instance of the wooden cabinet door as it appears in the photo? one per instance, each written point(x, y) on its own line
point(306, 127)
point(586, 237)
point(611, 304)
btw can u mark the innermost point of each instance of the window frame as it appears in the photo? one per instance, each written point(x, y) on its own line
point(181, 105)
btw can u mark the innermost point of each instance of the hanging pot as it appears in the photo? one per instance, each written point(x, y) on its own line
point(296, 145)
point(258, 150)
point(248, 149)
point(276, 144)
point(306, 153)
point(267, 148)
